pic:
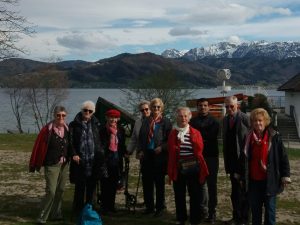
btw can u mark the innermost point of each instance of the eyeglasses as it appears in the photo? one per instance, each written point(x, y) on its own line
point(88, 110)
point(229, 106)
point(145, 109)
point(61, 115)
point(156, 106)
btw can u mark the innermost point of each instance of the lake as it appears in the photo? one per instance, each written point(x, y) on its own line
point(77, 96)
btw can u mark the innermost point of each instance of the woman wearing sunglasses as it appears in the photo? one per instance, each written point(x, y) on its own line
point(87, 164)
point(51, 151)
point(153, 155)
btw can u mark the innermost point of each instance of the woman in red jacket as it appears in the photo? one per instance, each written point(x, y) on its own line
point(51, 151)
point(186, 166)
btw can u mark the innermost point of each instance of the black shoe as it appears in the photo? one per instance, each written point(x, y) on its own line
point(231, 222)
point(158, 213)
point(211, 219)
point(148, 211)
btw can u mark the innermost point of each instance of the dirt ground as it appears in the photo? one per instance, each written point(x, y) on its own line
point(29, 187)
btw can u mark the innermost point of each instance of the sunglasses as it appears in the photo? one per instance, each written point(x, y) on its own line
point(229, 106)
point(61, 115)
point(145, 109)
point(156, 106)
point(88, 110)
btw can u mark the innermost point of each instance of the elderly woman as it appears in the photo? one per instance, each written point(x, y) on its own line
point(144, 108)
point(113, 139)
point(186, 166)
point(51, 151)
point(87, 163)
point(266, 167)
point(152, 153)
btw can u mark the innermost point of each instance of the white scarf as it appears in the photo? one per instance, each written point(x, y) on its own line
point(182, 131)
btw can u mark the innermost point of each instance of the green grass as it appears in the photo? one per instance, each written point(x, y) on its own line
point(17, 142)
point(293, 153)
point(22, 210)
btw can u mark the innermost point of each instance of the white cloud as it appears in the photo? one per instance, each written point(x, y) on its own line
point(182, 31)
point(85, 42)
point(108, 25)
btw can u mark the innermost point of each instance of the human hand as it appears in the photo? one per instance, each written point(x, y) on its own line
point(158, 150)
point(76, 158)
point(140, 155)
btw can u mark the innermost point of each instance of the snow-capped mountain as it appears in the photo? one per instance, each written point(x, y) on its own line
point(276, 50)
point(173, 53)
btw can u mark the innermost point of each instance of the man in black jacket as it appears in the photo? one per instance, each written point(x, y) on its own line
point(235, 128)
point(209, 128)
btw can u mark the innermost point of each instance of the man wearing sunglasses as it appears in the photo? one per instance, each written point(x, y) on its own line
point(235, 128)
point(144, 108)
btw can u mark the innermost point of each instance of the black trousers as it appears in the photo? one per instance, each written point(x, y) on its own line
point(192, 185)
point(211, 180)
point(240, 204)
point(84, 192)
point(109, 189)
point(153, 178)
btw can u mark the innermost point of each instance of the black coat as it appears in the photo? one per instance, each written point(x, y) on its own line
point(160, 139)
point(277, 165)
point(241, 130)
point(105, 138)
point(209, 129)
point(77, 171)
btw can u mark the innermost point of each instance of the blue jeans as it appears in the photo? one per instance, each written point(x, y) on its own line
point(258, 199)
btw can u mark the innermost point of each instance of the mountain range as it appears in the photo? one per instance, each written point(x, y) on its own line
point(255, 63)
point(275, 50)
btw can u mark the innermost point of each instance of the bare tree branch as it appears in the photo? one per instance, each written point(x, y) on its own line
point(12, 25)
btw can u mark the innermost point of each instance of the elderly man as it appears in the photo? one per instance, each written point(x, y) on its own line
point(209, 129)
point(235, 128)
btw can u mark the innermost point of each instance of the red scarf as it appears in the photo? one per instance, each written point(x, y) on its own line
point(113, 140)
point(259, 146)
point(152, 126)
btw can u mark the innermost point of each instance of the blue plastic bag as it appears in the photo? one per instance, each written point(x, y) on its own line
point(88, 216)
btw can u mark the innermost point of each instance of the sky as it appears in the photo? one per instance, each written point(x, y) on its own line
point(91, 30)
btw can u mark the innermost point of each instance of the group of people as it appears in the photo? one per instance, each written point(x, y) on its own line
point(187, 151)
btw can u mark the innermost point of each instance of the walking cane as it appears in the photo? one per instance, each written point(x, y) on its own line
point(130, 200)
point(137, 188)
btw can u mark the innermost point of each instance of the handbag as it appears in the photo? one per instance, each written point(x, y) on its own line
point(189, 166)
point(88, 216)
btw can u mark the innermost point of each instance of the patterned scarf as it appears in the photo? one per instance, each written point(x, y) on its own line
point(153, 121)
point(263, 143)
point(87, 147)
point(113, 140)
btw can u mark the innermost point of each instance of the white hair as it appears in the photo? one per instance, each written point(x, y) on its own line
point(88, 104)
point(186, 109)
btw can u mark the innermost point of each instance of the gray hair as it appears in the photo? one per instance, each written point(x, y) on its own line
point(88, 104)
point(232, 99)
point(58, 109)
point(144, 102)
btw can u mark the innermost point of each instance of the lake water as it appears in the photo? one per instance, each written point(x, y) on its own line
point(77, 96)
